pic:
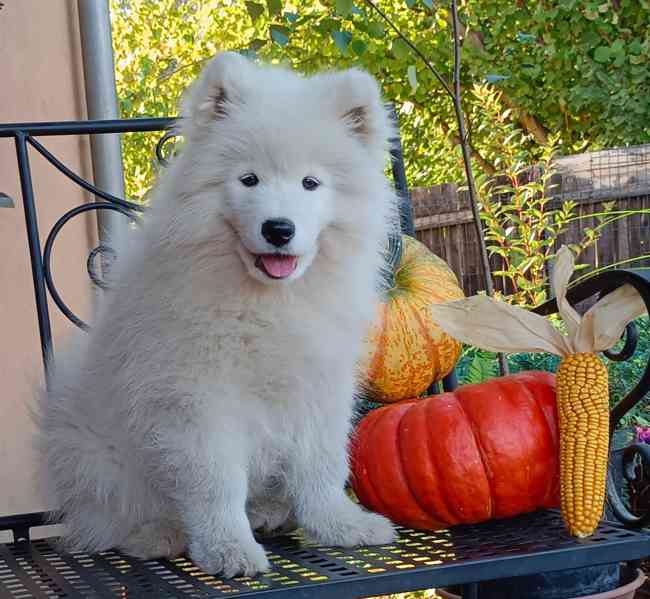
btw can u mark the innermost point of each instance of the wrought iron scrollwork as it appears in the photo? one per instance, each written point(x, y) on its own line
point(109, 202)
point(629, 348)
point(160, 154)
point(108, 256)
point(49, 244)
point(636, 473)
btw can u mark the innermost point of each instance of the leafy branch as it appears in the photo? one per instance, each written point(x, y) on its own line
point(413, 47)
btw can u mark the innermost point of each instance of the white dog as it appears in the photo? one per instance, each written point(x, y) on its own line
point(213, 396)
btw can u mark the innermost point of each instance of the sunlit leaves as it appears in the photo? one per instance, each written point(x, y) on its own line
point(579, 68)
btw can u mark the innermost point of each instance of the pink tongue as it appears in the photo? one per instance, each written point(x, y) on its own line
point(279, 266)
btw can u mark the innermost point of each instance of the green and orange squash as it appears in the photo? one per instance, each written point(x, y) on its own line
point(484, 451)
point(406, 351)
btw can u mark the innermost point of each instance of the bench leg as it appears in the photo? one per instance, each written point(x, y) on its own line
point(470, 591)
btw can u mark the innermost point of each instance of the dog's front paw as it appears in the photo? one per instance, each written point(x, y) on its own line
point(230, 558)
point(363, 528)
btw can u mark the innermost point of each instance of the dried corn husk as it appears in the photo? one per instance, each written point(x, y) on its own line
point(497, 326)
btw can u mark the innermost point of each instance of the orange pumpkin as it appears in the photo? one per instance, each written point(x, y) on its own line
point(484, 451)
point(406, 351)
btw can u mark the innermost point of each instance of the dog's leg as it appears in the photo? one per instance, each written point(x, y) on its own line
point(220, 536)
point(154, 539)
point(208, 482)
point(322, 506)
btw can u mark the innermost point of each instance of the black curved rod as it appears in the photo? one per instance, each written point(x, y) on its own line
point(100, 250)
point(161, 142)
point(49, 244)
point(56, 163)
point(621, 511)
point(631, 341)
point(641, 282)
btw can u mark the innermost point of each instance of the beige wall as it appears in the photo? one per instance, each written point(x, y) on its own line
point(41, 79)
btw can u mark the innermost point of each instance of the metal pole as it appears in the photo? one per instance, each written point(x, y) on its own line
point(401, 184)
point(35, 255)
point(470, 591)
point(101, 101)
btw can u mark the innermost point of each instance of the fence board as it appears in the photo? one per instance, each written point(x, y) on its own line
point(443, 219)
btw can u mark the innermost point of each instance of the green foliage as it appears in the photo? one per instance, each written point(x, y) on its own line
point(482, 367)
point(521, 223)
point(579, 66)
point(575, 68)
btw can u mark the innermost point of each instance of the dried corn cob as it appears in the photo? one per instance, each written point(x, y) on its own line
point(583, 410)
point(582, 387)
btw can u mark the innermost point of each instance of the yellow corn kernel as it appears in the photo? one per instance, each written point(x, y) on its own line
point(583, 409)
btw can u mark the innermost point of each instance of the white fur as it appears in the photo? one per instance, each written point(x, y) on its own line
point(209, 399)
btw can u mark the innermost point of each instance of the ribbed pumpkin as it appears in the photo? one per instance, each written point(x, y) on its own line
point(485, 451)
point(406, 351)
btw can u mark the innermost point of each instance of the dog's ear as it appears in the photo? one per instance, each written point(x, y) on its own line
point(218, 89)
point(358, 103)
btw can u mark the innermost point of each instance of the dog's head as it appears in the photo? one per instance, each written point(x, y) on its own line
point(282, 159)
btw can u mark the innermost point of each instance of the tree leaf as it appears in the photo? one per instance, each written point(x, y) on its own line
point(526, 38)
point(400, 49)
point(274, 6)
point(493, 78)
point(602, 54)
point(342, 40)
point(376, 29)
point(428, 4)
point(412, 75)
point(279, 34)
point(255, 10)
point(256, 44)
point(358, 47)
point(410, 3)
point(344, 7)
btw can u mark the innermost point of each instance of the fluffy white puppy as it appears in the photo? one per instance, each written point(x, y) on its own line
point(213, 396)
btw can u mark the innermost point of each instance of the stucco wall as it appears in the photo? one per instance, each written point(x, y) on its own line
point(41, 79)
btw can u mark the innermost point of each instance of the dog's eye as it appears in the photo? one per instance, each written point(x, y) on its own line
point(310, 183)
point(249, 180)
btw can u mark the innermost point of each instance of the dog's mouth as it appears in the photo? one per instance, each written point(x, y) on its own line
point(276, 266)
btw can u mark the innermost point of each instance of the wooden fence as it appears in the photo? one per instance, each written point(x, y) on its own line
point(443, 218)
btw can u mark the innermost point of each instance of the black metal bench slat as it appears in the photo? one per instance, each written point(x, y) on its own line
point(523, 545)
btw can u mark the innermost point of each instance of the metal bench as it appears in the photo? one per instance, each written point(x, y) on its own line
point(463, 556)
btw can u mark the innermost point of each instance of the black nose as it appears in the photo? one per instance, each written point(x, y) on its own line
point(278, 231)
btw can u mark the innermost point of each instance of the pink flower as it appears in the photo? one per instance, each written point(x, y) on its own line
point(643, 434)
